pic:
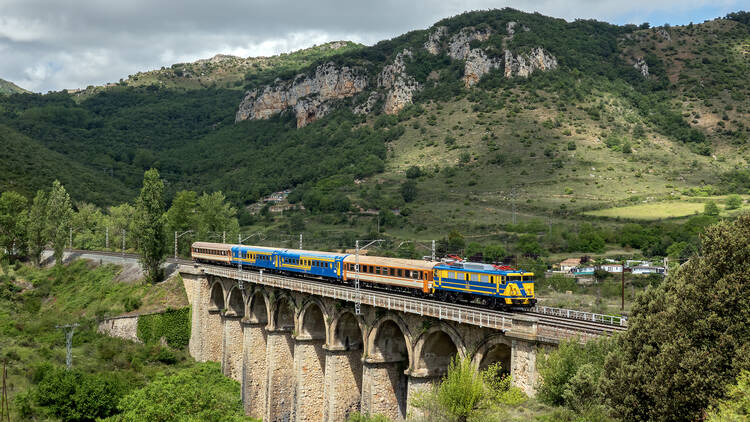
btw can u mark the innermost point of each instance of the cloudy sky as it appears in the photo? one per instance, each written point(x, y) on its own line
point(56, 44)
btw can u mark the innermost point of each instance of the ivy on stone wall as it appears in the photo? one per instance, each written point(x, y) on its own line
point(173, 325)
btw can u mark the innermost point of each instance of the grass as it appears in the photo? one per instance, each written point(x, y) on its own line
point(655, 211)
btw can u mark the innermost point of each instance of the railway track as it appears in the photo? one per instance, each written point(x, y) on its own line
point(551, 321)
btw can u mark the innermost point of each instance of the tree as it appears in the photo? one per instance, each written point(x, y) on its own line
point(13, 220)
point(149, 226)
point(689, 336)
point(216, 215)
point(494, 253)
point(460, 396)
point(121, 219)
point(711, 208)
point(408, 190)
point(733, 202)
point(59, 218)
point(183, 215)
point(736, 407)
point(87, 225)
point(528, 244)
point(36, 230)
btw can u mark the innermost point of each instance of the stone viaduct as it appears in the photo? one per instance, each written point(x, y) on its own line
point(303, 356)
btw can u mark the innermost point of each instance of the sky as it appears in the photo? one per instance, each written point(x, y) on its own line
point(58, 44)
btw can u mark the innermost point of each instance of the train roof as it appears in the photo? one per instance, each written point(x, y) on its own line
point(391, 262)
point(264, 248)
point(211, 245)
point(478, 266)
point(314, 253)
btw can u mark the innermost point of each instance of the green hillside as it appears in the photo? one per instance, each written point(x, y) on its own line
point(7, 87)
point(593, 133)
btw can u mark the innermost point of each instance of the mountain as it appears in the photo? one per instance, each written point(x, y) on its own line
point(7, 87)
point(483, 118)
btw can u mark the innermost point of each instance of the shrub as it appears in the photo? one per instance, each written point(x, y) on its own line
point(736, 407)
point(173, 325)
point(77, 396)
point(460, 396)
point(198, 393)
point(413, 172)
point(711, 208)
point(131, 303)
point(733, 202)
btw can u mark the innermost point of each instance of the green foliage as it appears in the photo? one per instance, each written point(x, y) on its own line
point(704, 307)
point(570, 374)
point(461, 395)
point(358, 417)
point(149, 226)
point(13, 222)
point(736, 406)
point(59, 217)
point(200, 393)
point(734, 201)
point(414, 172)
point(37, 227)
point(78, 396)
point(131, 303)
point(409, 190)
point(711, 208)
point(173, 325)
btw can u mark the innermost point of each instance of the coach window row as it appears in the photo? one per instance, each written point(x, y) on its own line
point(308, 262)
point(209, 251)
point(394, 272)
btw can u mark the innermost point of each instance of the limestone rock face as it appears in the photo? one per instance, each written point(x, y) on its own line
point(478, 64)
point(641, 66)
point(369, 104)
point(525, 64)
point(458, 46)
point(328, 83)
point(435, 40)
point(400, 85)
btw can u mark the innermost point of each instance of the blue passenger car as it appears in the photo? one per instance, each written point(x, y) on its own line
point(253, 256)
point(312, 263)
point(506, 285)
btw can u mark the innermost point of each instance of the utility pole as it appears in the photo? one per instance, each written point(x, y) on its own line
point(4, 403)
point(300, 241)
point(622, 287)
point(70, 237)
point(69, 329)
point(123, 242)
point(358, 294)
point(106, 238)
point(433, 250)
point(358, 302)
point(224, 237)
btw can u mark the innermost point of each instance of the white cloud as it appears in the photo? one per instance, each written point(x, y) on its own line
point(53, 44)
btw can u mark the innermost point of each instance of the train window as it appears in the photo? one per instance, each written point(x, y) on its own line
point(415, 275)
point(399, 272)
point(466, 276)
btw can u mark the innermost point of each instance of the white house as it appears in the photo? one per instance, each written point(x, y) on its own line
point(647, 269)
point(612, 268)
point(569, 264)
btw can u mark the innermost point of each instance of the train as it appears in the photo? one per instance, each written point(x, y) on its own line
point(451, 280)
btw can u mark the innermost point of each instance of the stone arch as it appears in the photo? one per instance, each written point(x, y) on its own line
point(435, 348)
point(235, 303)
point(347, 331)
point(384, 340)
point(257, 307)
point(495, 349)
point(312, 321)
point(216, 301)
point(283, 313)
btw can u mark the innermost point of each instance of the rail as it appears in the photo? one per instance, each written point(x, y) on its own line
point(582, 316)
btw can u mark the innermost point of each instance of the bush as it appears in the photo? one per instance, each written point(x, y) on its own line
point(733, 202)
point(736, 407)
point(711, 208)
point(198, 393)
point(131, 303)
point(460, 396)
point(77, 396)
point(173, 325)
point(413, 172)
point(570, 373)
point(409, 190)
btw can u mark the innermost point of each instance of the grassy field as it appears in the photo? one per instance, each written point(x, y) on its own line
point(660, 210)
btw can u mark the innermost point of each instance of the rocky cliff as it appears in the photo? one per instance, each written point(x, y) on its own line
point(309, 96)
